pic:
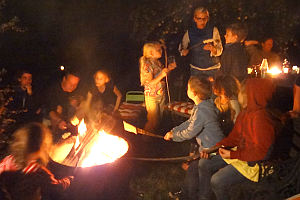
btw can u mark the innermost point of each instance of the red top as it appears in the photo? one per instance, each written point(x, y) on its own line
point(254, 130)
point(8, 164)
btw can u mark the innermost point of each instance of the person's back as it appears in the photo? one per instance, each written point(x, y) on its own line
point(203, 125)
point(234, 60)
point(203, 122)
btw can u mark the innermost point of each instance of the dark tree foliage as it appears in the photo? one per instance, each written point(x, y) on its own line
point(154, 19)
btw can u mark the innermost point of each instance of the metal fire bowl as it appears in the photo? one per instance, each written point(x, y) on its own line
point(107, 181)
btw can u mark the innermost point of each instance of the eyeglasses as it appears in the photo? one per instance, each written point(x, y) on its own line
point(201, 18)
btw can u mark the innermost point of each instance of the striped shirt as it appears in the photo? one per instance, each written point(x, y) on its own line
point(8, 164)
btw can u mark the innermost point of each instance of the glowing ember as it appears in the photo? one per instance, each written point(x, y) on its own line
point(106, 149)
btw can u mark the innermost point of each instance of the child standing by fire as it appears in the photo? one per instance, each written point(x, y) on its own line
point(23, 174)
point(152, 73)
point(203, 125)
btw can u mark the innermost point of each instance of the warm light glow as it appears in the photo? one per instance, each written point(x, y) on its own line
point(82, 128)
point(285, 70)
point(91, 147)
point(106, 148)
point(74, 121)
point(274, 71)
point(296, 69)
point(62, 68)
point(130, 128)
point(250, 70)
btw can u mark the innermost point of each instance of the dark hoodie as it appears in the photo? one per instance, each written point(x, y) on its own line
point(254, 130)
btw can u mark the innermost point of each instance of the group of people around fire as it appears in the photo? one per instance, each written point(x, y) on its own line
point(40, 123)
point(231, 120)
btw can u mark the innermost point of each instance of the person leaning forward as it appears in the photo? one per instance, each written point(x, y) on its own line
point(61, 106)
point(203, 44)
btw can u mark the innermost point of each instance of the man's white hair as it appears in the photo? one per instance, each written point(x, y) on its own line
point(202, 10)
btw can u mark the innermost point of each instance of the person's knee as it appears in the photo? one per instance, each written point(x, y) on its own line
point(217, 182)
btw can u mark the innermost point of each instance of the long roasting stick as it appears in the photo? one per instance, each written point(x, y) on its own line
point(132, 129)
point(166, 65)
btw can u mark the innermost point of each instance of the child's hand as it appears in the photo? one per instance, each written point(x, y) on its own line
point(164, 71)
point(204, 154)
point(172, 66)
point(62, 125)
point(29, 89)
point(224, 153)
point(168, 136)
point(184, 52)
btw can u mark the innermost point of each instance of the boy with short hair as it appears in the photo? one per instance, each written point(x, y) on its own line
point(203, 124)
point(234, 60)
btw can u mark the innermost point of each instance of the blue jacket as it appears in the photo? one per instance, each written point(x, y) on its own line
point(202, 124)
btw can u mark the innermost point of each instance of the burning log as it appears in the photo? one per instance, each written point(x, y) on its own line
point(91, 147)
point(79, 148)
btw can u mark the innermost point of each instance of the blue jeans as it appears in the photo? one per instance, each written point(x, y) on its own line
point(216, 176)
point(191, 181)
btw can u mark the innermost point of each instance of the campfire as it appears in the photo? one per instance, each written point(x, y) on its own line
point(89, 148)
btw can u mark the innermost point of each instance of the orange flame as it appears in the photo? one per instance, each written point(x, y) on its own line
point(81, 130)
point(74, 121)
point(99, 148)
point(106, 149)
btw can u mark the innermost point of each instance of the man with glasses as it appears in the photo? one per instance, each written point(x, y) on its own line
point(203, 44)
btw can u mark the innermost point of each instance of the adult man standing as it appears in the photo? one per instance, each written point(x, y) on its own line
point(203, 44)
